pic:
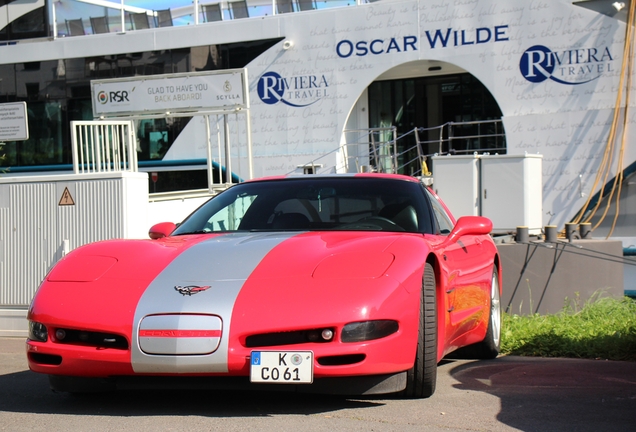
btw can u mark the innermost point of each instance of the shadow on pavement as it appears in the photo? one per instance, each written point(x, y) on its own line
point(554, 394)
point(28, 392)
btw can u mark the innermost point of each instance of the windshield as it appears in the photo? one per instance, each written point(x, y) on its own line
point(314, 203)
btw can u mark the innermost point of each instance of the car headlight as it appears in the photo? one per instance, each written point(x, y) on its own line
point(38, 331)
point(368, 330)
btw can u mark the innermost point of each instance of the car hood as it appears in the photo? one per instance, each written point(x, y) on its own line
point(112, 284)
point(222, 256)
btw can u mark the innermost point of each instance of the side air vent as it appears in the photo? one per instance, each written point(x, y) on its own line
point(45, 359)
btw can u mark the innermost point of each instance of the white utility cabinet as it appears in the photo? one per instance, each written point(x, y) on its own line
point(508, 189)
point(512, 191)
point(44, 217)
point(456, 181)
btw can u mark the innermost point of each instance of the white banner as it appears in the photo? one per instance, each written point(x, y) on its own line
point(14, 125)
point(159, 94)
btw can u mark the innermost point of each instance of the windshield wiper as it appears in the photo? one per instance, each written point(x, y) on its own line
point(195, 232)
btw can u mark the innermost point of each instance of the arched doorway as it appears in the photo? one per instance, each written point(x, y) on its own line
point(429, 94)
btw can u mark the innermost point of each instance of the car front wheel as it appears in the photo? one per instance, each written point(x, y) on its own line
point(422, 377)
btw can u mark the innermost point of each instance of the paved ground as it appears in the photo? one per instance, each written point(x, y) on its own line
point(509, 393)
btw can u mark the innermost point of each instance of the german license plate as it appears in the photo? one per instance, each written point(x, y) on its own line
point(282, 367)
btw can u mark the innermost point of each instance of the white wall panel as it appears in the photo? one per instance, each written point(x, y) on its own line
point(36, 230)
point(29, 240)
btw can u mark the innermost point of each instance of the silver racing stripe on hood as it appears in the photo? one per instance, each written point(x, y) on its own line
point(216, 270)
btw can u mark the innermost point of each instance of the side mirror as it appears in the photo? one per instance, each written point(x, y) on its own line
point(161, 230)
point(469, 225)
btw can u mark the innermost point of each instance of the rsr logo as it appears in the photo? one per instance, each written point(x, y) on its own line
point(113, 96)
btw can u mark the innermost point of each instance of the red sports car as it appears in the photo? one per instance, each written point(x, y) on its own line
point(344, 284)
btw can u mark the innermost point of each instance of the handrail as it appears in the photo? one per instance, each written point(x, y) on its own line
point(369, 149)
point(376, 149)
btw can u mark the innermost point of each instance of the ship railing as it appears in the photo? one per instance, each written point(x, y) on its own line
point(383, 150)
point(365, 150)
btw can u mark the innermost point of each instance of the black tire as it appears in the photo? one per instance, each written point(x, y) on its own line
point(422, 377)
point(488, 348)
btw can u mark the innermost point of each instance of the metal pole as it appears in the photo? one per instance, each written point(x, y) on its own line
point(123, 18)
point(248, 125)
point(420, 157)
point(479, 135)
point(375, 154)
point(209, 152)
point(238, 144)
point(74, 148)
point(394, 145)
point(132, 145)
point(54, 18)
point(228, 159)
point(103, 147)
point(218, 148)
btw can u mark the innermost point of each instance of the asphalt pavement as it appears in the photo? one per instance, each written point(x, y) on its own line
point(508, 393)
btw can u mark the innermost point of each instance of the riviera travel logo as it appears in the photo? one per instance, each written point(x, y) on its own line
point(297, 91)
point(570, 67)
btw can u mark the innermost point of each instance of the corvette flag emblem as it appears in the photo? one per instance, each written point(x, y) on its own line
point(190, 289)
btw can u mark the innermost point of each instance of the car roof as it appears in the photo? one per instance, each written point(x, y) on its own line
point(336, 176)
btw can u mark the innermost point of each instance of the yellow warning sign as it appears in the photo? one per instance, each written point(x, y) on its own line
point(67, 199)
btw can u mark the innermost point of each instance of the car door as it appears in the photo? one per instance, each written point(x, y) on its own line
point(464, 295)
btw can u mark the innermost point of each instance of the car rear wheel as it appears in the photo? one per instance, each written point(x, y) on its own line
point(490, 346)
point(422, 377)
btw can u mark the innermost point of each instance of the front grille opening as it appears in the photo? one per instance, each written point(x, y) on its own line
point(45, 359)
point(341, 360)
point(288, 338)
point(90, 338)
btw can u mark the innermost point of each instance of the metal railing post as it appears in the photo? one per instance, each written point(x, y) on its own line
point(228, 159)
point(375, 154)
point(74, 148)
point(208, 141)
point(123, 17)
point(394, 145)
